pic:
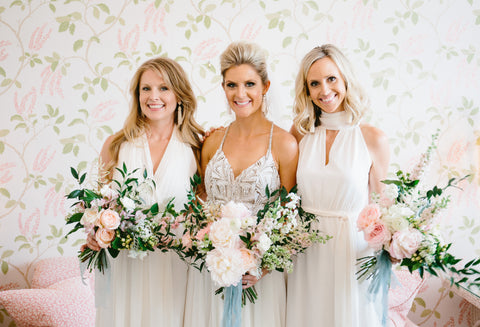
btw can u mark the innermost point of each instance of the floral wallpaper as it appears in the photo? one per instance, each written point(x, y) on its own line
point(65, 66)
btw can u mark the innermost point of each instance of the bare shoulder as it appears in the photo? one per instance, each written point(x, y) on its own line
point(375, 138)
point(298, 136)
point(283, 139)
point(212, 142)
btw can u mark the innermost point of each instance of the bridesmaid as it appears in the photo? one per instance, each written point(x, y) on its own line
point(341, 160)
point(161, 136)
point(237, 164)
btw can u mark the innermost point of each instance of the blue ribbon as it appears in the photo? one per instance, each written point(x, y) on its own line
point(378, 288)
point(232, 306)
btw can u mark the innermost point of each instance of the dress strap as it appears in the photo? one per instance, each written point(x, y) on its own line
point(224, 137)
point(270, 140)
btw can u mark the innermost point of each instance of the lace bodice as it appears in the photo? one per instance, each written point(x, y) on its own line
point(248, 187)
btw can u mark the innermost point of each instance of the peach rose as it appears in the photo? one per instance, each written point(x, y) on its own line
point(368, 216)
point(89, 217)
point(109, 219)
point(104, 237)
point(250, 262)
point(187, 241)
point(377, 235)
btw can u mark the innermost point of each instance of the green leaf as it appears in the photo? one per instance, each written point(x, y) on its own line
point(77, 45)
point(4, 267)
point(287, 41)
point(6, 254)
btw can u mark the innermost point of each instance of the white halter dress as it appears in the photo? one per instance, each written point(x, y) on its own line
point(323, 289)
point(203, 307)
point(151, 291)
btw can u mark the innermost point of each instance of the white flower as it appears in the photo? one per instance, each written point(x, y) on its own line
point(396, 217)
point(225, 266)
point(128, 203)
point(264, 243)
point(236, 213)
point(248, 221)
point(391, 191)
point(107, 192)
point(221, 234)
point(405, 243)
point(90, 217)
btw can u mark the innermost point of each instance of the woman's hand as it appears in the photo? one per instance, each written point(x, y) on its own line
point(91, 243)
point(250, 280)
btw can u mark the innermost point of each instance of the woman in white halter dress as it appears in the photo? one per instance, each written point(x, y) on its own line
point(160, 136)
point(237, 164)
point(339, 162)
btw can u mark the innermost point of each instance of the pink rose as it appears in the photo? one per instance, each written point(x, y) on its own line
point(104, 237)
point(405, 243)
point(187, 241)
point(109, 219)
point(202, 232)
point(368, 216)
point(250, 262)
point(377, 235)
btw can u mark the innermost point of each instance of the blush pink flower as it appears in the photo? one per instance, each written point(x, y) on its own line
point(187, 240)
point(207, 49)
point(129, 42)
point(368, 216)
point(104, 237)
point(202, 232)
point(109, 219)
point(3, 51)
point(405, 243)
point(250, 261)
point(225, 266)
point(377, 235)
point(51, 81)
point(221, 234)
point(5, 172)
point(155, 18)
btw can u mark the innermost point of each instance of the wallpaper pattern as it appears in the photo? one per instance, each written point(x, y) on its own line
point(65, 66)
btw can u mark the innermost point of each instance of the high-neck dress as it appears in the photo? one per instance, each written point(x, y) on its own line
point(323, 289)
point(203, 307)
point(149, 292)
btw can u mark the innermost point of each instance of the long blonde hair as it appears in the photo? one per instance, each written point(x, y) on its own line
point(136, 123)
point(306, 113)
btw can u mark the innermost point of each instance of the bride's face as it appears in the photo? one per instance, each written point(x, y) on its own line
point(244, 90)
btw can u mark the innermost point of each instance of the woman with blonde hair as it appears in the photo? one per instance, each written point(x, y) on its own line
point(341, 161)
point(238, 162)
point(160, 135)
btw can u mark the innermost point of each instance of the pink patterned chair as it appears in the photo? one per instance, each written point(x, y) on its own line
point(58, 296)
point(401, 296)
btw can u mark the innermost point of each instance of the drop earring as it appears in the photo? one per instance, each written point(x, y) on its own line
point(179, 113)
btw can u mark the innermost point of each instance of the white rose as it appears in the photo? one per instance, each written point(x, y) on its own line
point(107, 192)
point(221, 234)
point(248, 221)
point(236, 212)
point(225, 266)
point(264, 243)
point(391, 192)
point(128, 203)
point(90, 217)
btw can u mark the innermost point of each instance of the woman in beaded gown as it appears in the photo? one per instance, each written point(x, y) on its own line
point(161, 136)
point(237, 164)
point(340, 162)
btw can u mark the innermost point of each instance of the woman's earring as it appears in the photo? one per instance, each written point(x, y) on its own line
point(179, 113)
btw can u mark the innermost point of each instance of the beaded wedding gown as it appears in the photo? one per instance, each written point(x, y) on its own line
point(149, 292)
point(203, 307)
point(323, 289)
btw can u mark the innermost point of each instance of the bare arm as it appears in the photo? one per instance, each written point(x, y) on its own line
point(296, 133)
point(377, 143)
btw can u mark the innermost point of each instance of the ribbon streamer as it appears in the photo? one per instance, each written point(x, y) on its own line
point(378, 288)
point(232, 306)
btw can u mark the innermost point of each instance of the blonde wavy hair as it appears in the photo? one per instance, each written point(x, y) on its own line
point(307, 114)
point(136, 123)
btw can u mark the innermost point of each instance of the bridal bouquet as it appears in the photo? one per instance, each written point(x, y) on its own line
point(232, 241)
point(119, 215)
point(400, 224)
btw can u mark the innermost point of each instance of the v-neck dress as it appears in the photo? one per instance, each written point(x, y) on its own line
point(323, 289)
point(203, 307)
point(150, 291)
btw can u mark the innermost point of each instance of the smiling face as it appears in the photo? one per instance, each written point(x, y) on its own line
point(244, 90)
point(157, 100)
point(326, 85)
